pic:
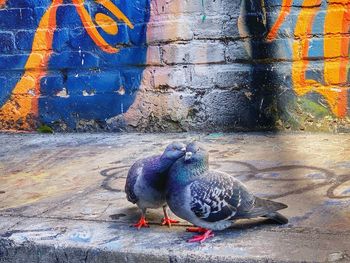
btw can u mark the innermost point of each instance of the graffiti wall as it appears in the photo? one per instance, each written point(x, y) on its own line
point(159, 65)
point(331, 44)
point(306, 46)
point(64, 63)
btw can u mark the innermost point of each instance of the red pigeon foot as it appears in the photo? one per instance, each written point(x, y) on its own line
point(142, 223)
point(201, 238)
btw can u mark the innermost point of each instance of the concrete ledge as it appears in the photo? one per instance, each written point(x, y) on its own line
point(48, 240)
point(62, 199)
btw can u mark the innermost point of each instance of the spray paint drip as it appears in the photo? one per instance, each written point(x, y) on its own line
point(204, 16)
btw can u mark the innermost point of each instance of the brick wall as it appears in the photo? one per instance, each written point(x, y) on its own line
point(174, 65)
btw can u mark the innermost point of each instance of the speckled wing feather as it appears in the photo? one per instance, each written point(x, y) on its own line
point(217, 196)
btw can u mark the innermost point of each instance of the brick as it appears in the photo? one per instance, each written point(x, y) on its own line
point(137, 12)
point(194, 53)
point(24, 40)
point(62, 40)
point(96, 82)
point(273, 3)
point(315, 71)
point(13, 62)
point(137, 36)
point(318, 24)
point(153, 56)
point(230, 29)
point(7, 42)
point(29, 3)
point(203, 76)
point(247, 50)
point(39, 11)
point(171, 76)
point(73, 60)
point(168, 31)
point(78, 39)
point(68, 17)
point(214, 27)
point(233, 76)
point(238, 51)
point(51, 84)
point(317, 49)
point(17, 18)
point(195, 7)
point(172, 7)
point(127, 56)
point(131, 78)
point(295, 3)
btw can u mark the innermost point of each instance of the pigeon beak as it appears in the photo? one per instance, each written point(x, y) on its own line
point(188, 156)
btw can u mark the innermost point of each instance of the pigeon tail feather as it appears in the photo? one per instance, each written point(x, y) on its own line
point(269, 205)
point(264, 207)
point(277, 217)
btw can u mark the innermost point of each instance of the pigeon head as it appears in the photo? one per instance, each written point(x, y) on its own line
point(194, 163)
point(196, 154)
point(174, 151)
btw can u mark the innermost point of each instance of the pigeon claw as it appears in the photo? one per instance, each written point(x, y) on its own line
point(142, 223)
point(201, 238)
point(168, 221)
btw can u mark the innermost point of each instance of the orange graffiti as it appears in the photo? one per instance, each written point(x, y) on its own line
point(115, 11)
point(106, 23)
point(286, 6)
point(23, 101)
point(91, 29)
point(335, 72)
point(22, 107)
point(336, 44)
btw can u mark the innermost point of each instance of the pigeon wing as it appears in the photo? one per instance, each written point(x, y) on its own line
point(134, 172)
point(214, 198)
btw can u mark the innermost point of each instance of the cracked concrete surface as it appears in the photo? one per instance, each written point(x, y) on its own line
point(62, 199)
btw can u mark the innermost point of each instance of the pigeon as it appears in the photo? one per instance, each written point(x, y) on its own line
point(212, 200)
point(146, 181)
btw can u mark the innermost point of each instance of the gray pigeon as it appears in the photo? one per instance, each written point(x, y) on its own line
point(212, 200)
point(146, 181)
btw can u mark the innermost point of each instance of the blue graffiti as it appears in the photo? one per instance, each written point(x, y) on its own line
point(82, 81)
